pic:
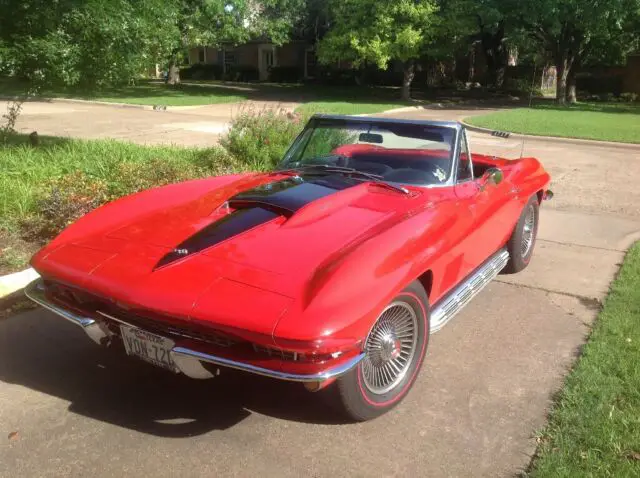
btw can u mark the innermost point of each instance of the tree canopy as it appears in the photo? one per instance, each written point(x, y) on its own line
point(379, 32)
point(110, 42)
point(92, 42)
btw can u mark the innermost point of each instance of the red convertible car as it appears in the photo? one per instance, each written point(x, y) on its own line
point(331, 270)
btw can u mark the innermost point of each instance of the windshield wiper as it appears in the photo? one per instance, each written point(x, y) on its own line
point(327, 168)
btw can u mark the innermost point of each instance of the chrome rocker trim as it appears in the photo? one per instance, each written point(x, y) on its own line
point(452, 303)
point(188, 361)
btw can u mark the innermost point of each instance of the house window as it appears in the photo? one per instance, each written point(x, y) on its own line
point(201, 58)
point(229, 58)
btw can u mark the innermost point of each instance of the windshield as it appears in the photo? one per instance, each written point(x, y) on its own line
point(402, 153)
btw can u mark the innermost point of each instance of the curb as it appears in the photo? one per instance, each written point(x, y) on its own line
point(12, 283)
point(555, 139)
point(103, 103)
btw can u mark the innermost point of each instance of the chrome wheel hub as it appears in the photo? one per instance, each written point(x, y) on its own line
point(390, 348)
point(528, 231)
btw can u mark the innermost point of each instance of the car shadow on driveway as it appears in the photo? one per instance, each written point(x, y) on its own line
point(44, 353)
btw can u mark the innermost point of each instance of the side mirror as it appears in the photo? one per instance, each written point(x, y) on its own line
point(491, 177)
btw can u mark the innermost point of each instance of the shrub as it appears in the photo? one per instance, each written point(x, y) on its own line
point(63, 201)
point(286, 74)
point(629, 97)
point(202, 71)
point(599, 84)
point(243, 73)
point(131, 177)
point(259, 138)
point(522, 87)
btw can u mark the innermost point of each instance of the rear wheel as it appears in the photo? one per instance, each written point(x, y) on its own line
point(523, 238)
point(394, 351)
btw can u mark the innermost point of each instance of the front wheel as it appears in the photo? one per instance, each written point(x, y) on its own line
point(394, 351)
point(523, 238)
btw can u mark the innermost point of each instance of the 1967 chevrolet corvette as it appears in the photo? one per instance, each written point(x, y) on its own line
point(331, 270)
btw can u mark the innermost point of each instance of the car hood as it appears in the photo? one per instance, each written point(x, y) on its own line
point(259, 238)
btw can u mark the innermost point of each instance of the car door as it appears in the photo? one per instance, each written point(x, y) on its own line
point(492, 207)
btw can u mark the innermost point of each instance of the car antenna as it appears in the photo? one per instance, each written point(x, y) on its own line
point(533, 80)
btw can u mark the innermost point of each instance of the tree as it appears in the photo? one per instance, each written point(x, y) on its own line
point(91, 42)
point(378, 32)
point(568, 29)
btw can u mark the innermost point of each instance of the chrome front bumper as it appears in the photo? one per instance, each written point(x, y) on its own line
point(187, 360)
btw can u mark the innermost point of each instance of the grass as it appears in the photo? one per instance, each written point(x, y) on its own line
point(110, 167)
point(618, 122)
point(346, 107)
point(26, 169)
point(145, 93)
point(594, 427)
point(317, 98)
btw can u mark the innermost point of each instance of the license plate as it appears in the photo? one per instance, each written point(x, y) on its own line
point(149, 347)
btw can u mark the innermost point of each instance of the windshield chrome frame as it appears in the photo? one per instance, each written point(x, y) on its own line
point(455, 152)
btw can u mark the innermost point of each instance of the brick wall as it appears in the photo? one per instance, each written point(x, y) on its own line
point(631, 82)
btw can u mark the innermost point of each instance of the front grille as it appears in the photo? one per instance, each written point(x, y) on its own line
point(166, 329)
point(114, 316)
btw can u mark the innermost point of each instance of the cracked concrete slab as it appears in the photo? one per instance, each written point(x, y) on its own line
point(569, 269)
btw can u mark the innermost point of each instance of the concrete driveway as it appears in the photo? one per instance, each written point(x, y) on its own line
point(485, 388)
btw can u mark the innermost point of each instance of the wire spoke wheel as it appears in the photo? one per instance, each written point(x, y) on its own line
point(528, 231)
point(390, 348)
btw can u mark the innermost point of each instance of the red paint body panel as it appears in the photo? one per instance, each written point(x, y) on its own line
point(311, 282)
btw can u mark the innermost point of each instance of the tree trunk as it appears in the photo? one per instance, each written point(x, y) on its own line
point(561, 81)
point(173, 75)
point(571, 85)
point(409, 73)
point(500, 71)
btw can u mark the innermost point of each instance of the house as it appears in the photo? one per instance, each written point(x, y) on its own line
point(260, 55)
point(631, 79)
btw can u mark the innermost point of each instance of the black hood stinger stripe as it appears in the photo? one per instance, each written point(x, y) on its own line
point(258, 206)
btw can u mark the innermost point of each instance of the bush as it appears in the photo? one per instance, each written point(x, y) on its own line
point(243, 73)
point(522, 87)
point(629, 97)
point(599, 84)
point(259, 138)
point(338, 77)
point(286, 74)
point(202, 71)
point(63, 201)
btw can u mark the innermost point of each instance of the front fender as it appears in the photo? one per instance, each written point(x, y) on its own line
point(348, 292)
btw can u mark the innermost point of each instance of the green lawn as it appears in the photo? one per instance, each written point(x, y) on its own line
point(599, 121)
point(594, 427)
point(347, 107)
point(316, 98)
point(145, 93)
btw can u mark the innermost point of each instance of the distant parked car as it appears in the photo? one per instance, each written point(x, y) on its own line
point(331, 270)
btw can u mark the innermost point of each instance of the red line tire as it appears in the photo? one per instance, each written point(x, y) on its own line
point(363, 398)
point(525, 233)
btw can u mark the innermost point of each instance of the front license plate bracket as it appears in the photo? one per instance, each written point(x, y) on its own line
point(149, 347)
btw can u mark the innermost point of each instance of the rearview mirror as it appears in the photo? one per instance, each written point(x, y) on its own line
point(492, 176)
point(370, 138)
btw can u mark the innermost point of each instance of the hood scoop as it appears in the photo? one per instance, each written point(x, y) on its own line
point(257, 206)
